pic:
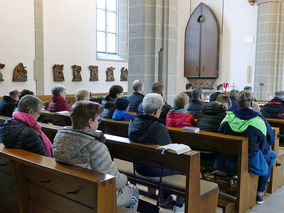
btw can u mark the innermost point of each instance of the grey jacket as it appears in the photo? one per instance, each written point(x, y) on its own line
point(87, 150)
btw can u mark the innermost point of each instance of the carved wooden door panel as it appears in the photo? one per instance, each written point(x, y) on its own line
point(202, 45)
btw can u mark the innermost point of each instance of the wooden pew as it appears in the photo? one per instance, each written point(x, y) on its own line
point(42, 185)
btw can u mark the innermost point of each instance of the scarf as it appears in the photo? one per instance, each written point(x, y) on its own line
point(31, 122)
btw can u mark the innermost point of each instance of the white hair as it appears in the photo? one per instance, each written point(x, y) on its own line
point(152, 102)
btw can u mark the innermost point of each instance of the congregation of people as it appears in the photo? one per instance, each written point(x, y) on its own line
point(233, 113)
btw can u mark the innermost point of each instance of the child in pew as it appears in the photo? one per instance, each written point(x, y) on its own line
point(121, 112)
point(179, 116)
point(148, 128)
point(246, 122)
point(59, 103)
point(81, 145)
point(23, 131)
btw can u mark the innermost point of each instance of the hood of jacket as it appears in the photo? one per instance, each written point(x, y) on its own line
point(213, 108)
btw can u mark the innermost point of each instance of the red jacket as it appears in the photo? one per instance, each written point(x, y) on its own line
point(59, 104)
point(179, 118)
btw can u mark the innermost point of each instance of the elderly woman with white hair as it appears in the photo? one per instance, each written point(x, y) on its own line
point(59, 103)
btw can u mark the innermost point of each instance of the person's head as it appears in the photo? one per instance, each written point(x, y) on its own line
point(138, 86)
point(220, 88)
point(58, 90)
point(225, 100)
point(116, 91)
point(248, 88)
point(121, 104)
point(196, 93)
point(279, 94)
point(245, 99)
point(25, 92)
point(234, 93)
point(188, 87)
point(152, 104)
point(158, 88)
point(181, 101)
point(14, 94)
point(86, 115)
point(30, 104)
point(82, 95)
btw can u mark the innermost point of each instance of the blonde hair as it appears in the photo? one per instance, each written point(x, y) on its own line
point(181, 100)
point(82, 94)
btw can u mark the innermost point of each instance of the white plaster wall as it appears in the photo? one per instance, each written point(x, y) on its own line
point(240, 23)
point(16, 42)
point(70, 38)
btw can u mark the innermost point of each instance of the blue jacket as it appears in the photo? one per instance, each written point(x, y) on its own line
point(7, 106)
point(134, 100)
point(122, 115)
point(235, 104)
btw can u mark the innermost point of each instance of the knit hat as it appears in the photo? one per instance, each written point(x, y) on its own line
point(121, 103)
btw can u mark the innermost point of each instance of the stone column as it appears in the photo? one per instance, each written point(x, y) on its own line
point(152, 29)
point(270, 47)
point(39, 47)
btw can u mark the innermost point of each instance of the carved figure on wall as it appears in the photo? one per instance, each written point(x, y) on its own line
point(1, 75)
point(58, 74)
point(94, 73)
point(109, 74)
point(20, 73)
point(76, 73)
point(124, 74)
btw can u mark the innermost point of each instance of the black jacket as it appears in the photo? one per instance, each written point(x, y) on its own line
point(194, 107)
point(134, 100)
point(189, 95)
point(148, 129)
point(214, 96)
point(7, 106)
point(273, 109)
point(18, 135)
point(108, 104)
point(211, 116)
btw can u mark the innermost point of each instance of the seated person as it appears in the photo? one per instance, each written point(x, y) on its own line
point(233, 96)
point(23, 93)
point(81, 145)
point(23, 131)
point(196, 102)
point(211, 116)
point(188, 89)
point(225, 100)
point(158, 88)
point(59, 103)
point(137, 97)
point(121, 112)
point(116, 91)
point(82, 95)
point(274, 108)
point(8, 103)
point(247, 123)
point(255, 106)
point(220, 90)
point(148, 128)
point(179, 116)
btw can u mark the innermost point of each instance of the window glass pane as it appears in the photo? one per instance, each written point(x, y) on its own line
point(101, 20)
point(101, 4)
point(101, 42)
point(111, 22)
point(111, 5)
point(111, 39)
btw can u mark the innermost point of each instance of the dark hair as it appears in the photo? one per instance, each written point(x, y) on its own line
point(137, 85)
point(234, 93)
point(219, 86)
point(25, 92)
point(157, 87)
point(248, 88)
point(196, 93)
point(224, 99)
point(121, 103)
point(83, 111)
point(114, 90)
point(245, 98)
point(188, 86)
point(14, 93)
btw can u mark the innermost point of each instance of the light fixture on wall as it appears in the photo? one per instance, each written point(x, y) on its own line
point(252, 2)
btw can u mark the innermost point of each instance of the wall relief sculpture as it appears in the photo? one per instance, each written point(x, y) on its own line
point(58, 74)
point(1, 75)
point(124, 74)
point(76, 70)
point(109, 74)
point(20, 73)
point(94, 73)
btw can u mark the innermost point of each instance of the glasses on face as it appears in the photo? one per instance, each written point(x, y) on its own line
point(99, 120)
